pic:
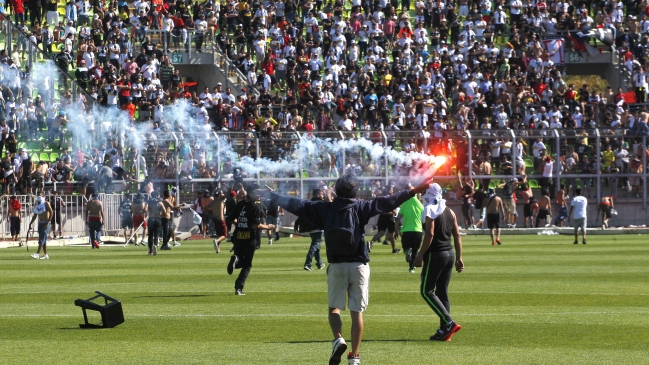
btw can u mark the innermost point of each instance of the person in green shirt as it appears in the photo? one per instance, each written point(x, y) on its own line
point(411, 230)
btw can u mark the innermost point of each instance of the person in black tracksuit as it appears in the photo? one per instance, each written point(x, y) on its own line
point(304, 226)
point(249, 217)
point(438, 260)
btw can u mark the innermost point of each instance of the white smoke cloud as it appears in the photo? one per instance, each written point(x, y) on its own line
point(91, 128)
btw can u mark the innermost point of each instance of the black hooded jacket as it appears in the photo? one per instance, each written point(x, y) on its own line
point(316, 213)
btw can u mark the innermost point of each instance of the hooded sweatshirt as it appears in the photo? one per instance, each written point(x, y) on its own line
point(316, 212)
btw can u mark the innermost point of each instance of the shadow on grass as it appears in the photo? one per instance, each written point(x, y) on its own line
point(175, 296)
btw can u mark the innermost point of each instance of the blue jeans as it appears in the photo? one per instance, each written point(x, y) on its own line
point(314, 250)
point(43, 231)
point(94, 231)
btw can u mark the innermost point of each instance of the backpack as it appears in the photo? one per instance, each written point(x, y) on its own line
point(340, 231)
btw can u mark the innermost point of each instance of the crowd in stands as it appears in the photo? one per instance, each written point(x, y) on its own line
point(438, 69)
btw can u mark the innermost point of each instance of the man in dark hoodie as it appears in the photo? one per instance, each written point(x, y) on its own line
point(347, 276)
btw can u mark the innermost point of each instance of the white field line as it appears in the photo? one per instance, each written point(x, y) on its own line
point(163, 293)
point(284, 315)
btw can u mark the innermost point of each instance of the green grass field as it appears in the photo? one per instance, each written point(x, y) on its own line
point(534, 300)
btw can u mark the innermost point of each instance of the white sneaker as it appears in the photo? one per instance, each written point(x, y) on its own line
point(155, 250)
point(270, 241)
point(176, 243)
point(35, 256)
point(339, 348)
point(45, 257)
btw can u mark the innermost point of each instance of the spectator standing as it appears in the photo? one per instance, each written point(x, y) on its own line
point(578, 211)
point(42, 211)
point(438, 260)
point(495, 210)
point(95, 220)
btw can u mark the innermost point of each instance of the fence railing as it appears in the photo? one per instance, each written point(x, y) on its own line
point(525, 153)
point(71, 213)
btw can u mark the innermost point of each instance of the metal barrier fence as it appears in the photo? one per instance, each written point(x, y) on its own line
point(475, 151)
point(71, 215)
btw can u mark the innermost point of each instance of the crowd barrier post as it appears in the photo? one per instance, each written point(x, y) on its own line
point(557, 157)
point(598, 149)
point(644, 172)
point(514, 153)
point(470, 150)
point(385, 160)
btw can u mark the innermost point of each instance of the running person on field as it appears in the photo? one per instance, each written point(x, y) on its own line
point(95, 220)
point(166, 218)
point(411, 231)
point(127, 218)
point(347, 276)
point(494, 207)
point(578, 207)
point(509, 201)
point(217, 209)
point(438, 260)
point(545, 207)
point(14, 217)
point(562, 206)
point(43, 211)
point(386, 223)
point(249, 217)
point(605, 207)
point(467, 197)
point(304, 226)
point(155, 211)
point(56, 203)
point(138, 212)
point(272, 216)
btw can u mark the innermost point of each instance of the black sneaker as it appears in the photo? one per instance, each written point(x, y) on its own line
point(583, 241)
point(396, 250)
point(339, 347)
point(438, 336)
point(165, 247)
point(307, 267)
point(385, 243)
point(276, 236)
point(239, 292)
point(231, 265)
point(574, 243)
point(446, 332)
point(321, 266)
point(408, 254)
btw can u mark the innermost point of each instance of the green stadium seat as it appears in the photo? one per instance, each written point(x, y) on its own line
point(54, 156)
point(529, 162)
point(534, 184)
point(492, 185)
point(44, 156)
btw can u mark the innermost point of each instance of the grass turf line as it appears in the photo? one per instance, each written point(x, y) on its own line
point(540, 300)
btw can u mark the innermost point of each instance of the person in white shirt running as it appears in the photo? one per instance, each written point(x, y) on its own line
point(578, 215)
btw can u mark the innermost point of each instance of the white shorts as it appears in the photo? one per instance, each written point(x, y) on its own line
point(464, 10)
point(352, 279)
point(53, 18)
point(579, 223)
